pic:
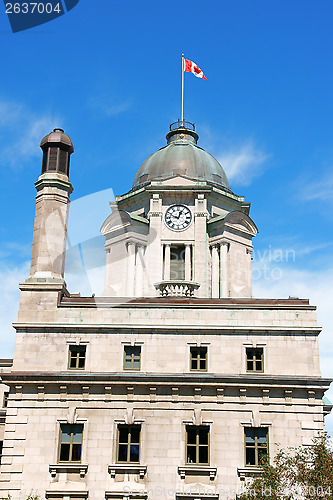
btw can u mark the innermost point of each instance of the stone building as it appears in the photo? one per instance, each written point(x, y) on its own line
point(176, 381)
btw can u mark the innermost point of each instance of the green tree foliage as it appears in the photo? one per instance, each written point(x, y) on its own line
point(299, 473)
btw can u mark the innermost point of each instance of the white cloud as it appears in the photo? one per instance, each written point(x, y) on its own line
point(21, 131)
point(243, 164)
point(321, 189)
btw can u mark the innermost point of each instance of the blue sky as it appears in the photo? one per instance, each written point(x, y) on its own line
point(109, 73)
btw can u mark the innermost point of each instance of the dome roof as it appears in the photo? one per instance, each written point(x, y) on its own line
point(58, 136)
point(181, 156)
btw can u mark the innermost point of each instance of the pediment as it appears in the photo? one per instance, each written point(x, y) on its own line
point(117, 221)
point(178, 180)
point(122, 221)
point(236, 222)
point(241, 222)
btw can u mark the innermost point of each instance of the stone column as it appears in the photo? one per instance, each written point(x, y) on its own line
point(224, 279)
point(166, 276)
point(187, 262)
point(215, 272)
point(139, 272)
point(130, 268)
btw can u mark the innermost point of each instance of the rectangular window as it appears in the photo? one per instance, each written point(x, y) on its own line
point(177, 262)
point(198, 358)
point(256, 445)
point(77, 357)
point(197, 444)
point(70, 448)
point(254, 359)
point(1, 447)
point(128, 449)
point(132, 357)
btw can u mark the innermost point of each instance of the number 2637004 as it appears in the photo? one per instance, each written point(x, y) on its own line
point(33, 8)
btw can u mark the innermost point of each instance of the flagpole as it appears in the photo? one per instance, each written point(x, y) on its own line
point(182, 115)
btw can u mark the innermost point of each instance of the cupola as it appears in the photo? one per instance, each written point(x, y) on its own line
point(57, 148)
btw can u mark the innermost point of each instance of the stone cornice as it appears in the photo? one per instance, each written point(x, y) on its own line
point(193, 302)
point(167, 379)
point(165, 329)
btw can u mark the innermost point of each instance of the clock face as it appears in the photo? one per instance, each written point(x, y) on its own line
point(178, 217)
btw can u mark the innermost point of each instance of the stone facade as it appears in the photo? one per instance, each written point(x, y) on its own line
point(176, 381)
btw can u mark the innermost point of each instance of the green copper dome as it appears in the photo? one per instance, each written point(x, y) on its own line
point(181, 156)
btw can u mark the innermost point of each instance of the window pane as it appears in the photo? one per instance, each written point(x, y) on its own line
point(81, 362)
point(135, 435)
point(76, 452)
point(203, 454)
point(202, 364)
point(72, 363)
point(77, 433)
point(262, 436)
point(194, 364)
point(64, 453)
point(203, 352)
point(66, 433)
point(128, 362)
point(250, 456)
point(122, 453)
point(123, 435)
point(250, 366)
point(258, 366)
point(134, 453)
point(262, 454)
point(191, 458)
point(136, 363)
point(249, 436)
point(191, 435)
point(136, 350)
point(203, 435)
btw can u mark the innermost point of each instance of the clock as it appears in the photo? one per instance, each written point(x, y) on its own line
point(178, 217)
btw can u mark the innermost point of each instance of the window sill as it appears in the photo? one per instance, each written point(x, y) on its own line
point(114, 469)
point(68, 467)
point(197, 470)
point(249, 471)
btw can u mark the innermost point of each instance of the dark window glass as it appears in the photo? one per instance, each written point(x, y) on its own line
point(129, 443)
point(203, 454)
point(70, 442)
point(53, 159)
point(63, 155)
point(177, 262)
point(197, 444)
point(198, 358)
point(44, 164)
point(256, 445)
point(254, 359)
point(77, 357)
point(5, 399)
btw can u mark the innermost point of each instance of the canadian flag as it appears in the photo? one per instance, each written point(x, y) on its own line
point(191, 67)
